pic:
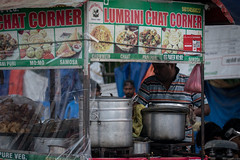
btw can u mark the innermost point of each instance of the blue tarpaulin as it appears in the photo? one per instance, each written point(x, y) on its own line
point(134, 71)
point(224, 103)
point(4, 87)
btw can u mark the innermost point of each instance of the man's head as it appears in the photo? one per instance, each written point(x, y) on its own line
point(165, 71)
point(128, 88)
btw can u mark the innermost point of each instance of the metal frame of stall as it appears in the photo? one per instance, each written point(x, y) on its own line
point(86, 65)
point(87, 84)
point(20, 154)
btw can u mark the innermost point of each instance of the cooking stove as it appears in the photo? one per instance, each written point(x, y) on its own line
point(170, 149)
point(111, 152)
point(163, 149)
point(221, 149)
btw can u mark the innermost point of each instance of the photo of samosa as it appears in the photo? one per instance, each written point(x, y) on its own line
point(65, 50)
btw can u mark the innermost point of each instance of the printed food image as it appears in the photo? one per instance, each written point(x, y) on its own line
point(149, 38)
point(71, 46)
point(126, 37)
point(172, 39)
point(101, 33)
point(34, 44)
point(7, 45)
point(16, 113)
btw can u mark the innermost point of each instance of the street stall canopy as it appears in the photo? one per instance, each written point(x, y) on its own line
point(13, 4)
point(218, 11)
point(230, 9)
point(109, 25)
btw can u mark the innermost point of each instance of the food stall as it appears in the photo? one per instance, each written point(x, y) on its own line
point(43, 49)
point(70, 38)
point(165, 33)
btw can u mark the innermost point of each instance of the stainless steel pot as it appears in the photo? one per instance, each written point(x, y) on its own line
point(165, 121)
point(6, 142)
point(110, 122)
point(46, 145)
point(140, 147)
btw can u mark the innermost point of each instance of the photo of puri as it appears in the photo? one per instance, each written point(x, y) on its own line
point(149, 40)
point(9, 45)
point(69, 42)
point(126, 39)
point(36, 44)
point(172, 39)
point(100, 34)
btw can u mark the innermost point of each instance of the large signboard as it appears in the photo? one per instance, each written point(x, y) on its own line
point(145, 31)
point(40, 38)
point(222, 57)
point(222, 52)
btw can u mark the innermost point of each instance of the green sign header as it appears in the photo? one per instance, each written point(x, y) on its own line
point(41, 38)
point(132, 30)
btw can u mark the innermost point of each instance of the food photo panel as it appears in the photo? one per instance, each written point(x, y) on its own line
point(172, 39)
point(69, 42)
point(149, 40)
point(100, 34)
point(126, 39)
point(9, 46)
point(36, 44)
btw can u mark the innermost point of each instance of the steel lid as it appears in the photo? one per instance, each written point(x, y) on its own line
point(108, 99)
point(167, 107)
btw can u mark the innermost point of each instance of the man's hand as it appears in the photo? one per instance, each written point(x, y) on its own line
point(198, 111)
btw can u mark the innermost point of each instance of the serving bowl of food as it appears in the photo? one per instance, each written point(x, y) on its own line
point(77, 47)
point(126, 40)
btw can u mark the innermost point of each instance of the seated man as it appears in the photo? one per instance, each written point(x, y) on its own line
point(212, 132)
point(128, 89)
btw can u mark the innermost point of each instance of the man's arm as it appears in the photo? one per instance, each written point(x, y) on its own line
point(198, 111)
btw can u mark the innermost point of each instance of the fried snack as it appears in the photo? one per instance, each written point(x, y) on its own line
point(127, 37)
point(3, 127)
point(74, 36)
point(8, 45)
point(102, 33)
point(33, 43)
point(172, 39)
point(36, 38)
point(149, 38)
point(14, 127)
point(16, 118)
point(65, 50)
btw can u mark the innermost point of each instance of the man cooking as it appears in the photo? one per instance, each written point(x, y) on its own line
point(166, 86)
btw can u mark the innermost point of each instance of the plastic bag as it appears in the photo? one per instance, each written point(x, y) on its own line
point(193, 83)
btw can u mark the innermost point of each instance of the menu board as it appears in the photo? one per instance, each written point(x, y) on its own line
point(129, 30)
point(41, 37)
point(222, 52)
point(222, 57)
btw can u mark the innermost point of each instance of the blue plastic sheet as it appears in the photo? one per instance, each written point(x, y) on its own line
point(121, 74)
point(134, 71)
point(4, 87)
point(224, 103)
